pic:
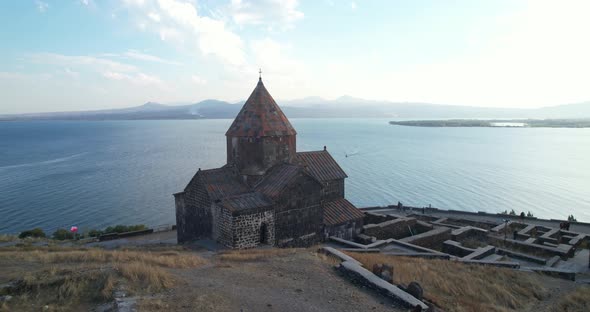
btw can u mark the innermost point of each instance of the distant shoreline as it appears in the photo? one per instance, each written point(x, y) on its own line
point(497, 123)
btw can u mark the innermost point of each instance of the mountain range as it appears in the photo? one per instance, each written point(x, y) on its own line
point(314, 107)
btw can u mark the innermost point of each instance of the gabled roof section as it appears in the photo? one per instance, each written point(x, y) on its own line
point(340, 211)
point(260, 116)
point(247, 201)
point(321, 165)
point(221, 182)
point(279, 177)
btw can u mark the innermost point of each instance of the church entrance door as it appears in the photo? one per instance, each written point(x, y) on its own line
point(263, 233)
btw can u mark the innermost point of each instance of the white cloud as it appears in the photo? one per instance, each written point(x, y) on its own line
point(277, 65)
point(198, 80)
point(71, 73)
point(272, 13)
point(147, 57)
point(180, 20)
point(80, 60)
point(42, 6)
point(12, 76)
point(154, 16)
point(171, 34)
point(134, 2)
point(138, 79)
point(353, 5)
point(542, 59)
point(110, 69)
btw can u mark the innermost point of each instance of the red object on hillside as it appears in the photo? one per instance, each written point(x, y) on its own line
point(74, 229)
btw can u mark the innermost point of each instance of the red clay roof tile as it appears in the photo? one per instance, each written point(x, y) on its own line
point(260, 116)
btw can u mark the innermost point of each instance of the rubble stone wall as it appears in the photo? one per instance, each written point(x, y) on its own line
point(397, 229)
point(246, 229)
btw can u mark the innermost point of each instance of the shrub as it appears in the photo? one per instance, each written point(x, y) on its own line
point(62, 234)
point(529, 214)
point(36, 232)
point(125, 228)
point(95, 233)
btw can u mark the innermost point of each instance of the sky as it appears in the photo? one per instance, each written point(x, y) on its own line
point(72, 55)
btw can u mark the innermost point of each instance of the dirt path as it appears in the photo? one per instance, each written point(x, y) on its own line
point(297, 282)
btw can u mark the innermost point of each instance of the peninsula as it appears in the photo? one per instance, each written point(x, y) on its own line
point(511, 123)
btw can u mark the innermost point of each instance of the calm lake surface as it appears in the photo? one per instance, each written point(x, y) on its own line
point(94, 174)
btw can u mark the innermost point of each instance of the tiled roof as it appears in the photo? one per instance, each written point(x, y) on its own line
point(277, 178)
point(321, 165)
point(340, 211)
point(222, 182)
point(260, 116)
point(246, 201)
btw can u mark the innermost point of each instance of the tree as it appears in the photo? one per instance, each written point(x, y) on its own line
point(571, 218)
point(529, 214)
point(512, 212)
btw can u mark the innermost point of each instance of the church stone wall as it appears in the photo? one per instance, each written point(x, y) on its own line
point(333, 189)
point(195, 212)
point(299, 215)
point(247, 229)
point(222, 226)
point(253, 156)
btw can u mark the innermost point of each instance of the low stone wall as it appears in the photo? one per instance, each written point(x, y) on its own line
point(476, 224)
point(348, 230)
point(454, 248)
point(502, 264)
point(564, 251)
point(375, 218)
point(111, 236)
point(468, 232)
point(522, 256)
point(337, 254)
point(481, 253)
point(564, 274)
point(412, 247)
point(430, 239)
point(364, 277)
point(396, 229)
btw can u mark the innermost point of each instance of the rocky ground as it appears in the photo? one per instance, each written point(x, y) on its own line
point(221, 280)
point(300, 281)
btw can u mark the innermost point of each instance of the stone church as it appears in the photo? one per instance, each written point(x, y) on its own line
point(267, 192)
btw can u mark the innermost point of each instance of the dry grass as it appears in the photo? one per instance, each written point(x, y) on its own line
point(578, 301)
point(152, 278)
point(459, 287)
point(7, 238)
point(169, 259)
point(152, 304)
point(74, 279)
point(255, 254)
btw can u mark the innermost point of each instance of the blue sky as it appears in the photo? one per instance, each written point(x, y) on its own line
point(90, 54)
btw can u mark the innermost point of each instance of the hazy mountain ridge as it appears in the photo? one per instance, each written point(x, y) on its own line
point(312, 107)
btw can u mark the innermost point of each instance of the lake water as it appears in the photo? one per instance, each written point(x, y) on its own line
point(95, 174)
